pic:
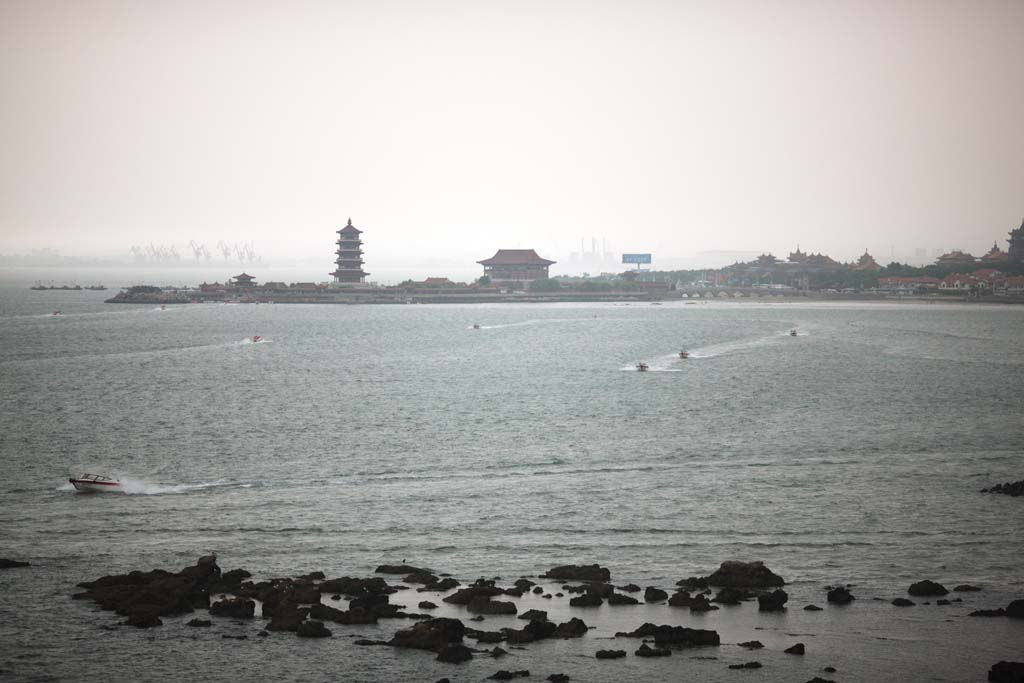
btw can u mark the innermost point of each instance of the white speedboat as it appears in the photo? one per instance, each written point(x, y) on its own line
point(95, 483)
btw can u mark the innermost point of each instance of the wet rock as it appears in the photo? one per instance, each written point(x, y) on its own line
point(818, 679)
point(498, 652)
point(433, 634)
point(654, 595)
point(965, 588)
point(693, 583)
point(484, 605)
point(400, 569)
point(1015, 610)
point(534, 615)
point(732, 596)
point(903, 602)
point(943, 602)
point(524, 584)
point(347, 585)
point(229, 637)
point(647, 651)
point(797, 649)
point(311, 576)
point(312, 629)
point(752, 644)
point(286, 618)
point(745, 575)
point(454, 653)
point(927, 588)
point(840, 596)
point(1007, 672)
point(812, 608)
point(11, 564)
point(489, 637)
point(514, 592)
point(578, 572)
point(630, 588)
point(619, 599)
point(673, 635)
point(574, 628)
point(464, 596)
point(539, 630)
point(426, 604)
point(421, 577)
point(559, 678)
point(829, 669)
point(237, 608)
point(355, 615)
point(748, 665)
point(143, 619)
point(1010, 488)
point(504, 675)
point(586, 600)
point(537, 590)
point(699, 603)
point(445, 584)
point(681, 599)
point(610, 654)
point(772, 602)
point(200, 623)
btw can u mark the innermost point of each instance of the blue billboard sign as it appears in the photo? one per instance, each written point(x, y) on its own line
point(636, 258)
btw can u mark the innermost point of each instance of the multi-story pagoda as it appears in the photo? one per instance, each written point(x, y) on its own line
point(349, 254)
point(1016, 251)
point(994, 255)
point(866, 262)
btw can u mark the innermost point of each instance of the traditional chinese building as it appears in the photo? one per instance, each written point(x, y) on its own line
point(516, 266)
point(994, 255)
point(349, 261)
point(866, 262)
point(955, 258)
point(1016, 251)
point(244, 280)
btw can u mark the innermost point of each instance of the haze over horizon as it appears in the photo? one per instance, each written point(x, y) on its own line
point(451, 130)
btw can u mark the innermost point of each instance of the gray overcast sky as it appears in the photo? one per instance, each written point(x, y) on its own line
point(449, 129)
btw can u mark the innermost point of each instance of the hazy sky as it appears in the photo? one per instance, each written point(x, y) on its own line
point(449, 129)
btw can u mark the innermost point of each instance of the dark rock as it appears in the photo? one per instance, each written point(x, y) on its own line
point(485, 636)
point(988, 613)
point(812, 608)
point(539, 630)
point(11, 564)
point(840, 596)
point(1007, 672)
point(699, 603)
point(498, 652)
point(927, 588)
point(445, 584)
point(354, 615)
point(578, 572)
point(773, 602)
point(228, 637)
point(673, 635)
point(732, 596)
point(464, 596)
point(654, 595)
point(559, 678)
point(965, 588)
point(681, 599)
point(143, 618)
point(574, 628)
point(586, 600)
point(745, 575)
point(200, 622)
point(237, 608)
point(355, 586)
point(400, 569)
point(426, 604)
point(454, 653)
point(646, 651)
point(534, 615)
point(748, 665)
point(619, 599)
point(752, 644)
point(829, 669)
point(312, 629)
point(425, 578)
point(903, 602)
point(312, 576)
point(797, 649)
point(943, 602)
point(537, 590)
point(630, 588)
point(1010, 488)
point(524, 584)
point(433, 634)
point(504, 675)
point(693, 583)
point(610, 654)
point(484, 605)
point(818, 679)
point(1015, 610)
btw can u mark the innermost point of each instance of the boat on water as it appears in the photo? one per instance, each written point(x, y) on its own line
point(256, 339)
point(57, 313)
point(475, 326)
point(684, 354)
point(96, 288)
point(95, 483)
point(642, 366)
point(792, 333)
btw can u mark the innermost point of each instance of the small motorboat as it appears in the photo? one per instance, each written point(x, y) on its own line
point(475, 326)
point(57, 313)
point(792, 333)
point(642, 366)
point(684, 354)
point(256, 339)
point(95, 483)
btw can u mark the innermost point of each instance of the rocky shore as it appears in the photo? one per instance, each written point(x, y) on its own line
point(314, 606)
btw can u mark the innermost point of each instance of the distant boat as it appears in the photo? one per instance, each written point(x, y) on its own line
point(792, 333)
point(57, 313)
point(475, 326)
point(684, 354)
point(256, 339)
point(97, 288)
point(642, 366)
point(95, 483)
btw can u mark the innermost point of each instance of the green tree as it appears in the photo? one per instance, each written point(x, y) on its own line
point(484, 280)
point(545, 284)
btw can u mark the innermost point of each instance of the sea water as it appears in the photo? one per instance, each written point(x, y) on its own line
point(358, 435)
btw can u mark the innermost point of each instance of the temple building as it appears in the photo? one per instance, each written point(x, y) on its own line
point(955, 258)
point(515, 266)
point(866, 262)
point(995, 255)
point(1016, 251)
point(243, 280)
point(797, 256)
point(349, 254)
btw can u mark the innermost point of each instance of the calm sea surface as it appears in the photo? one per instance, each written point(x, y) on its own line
point(353, 436)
